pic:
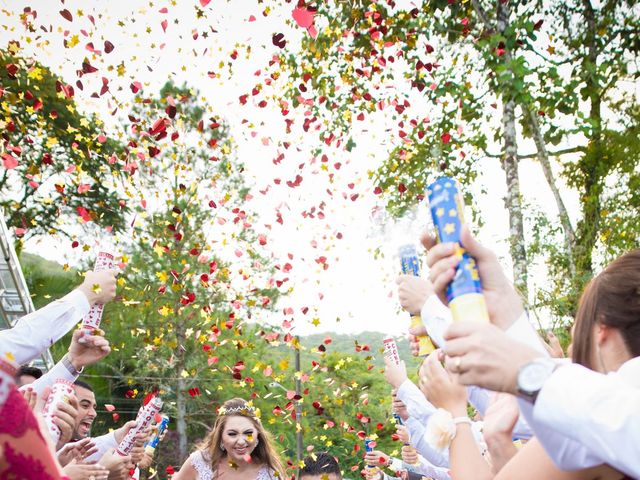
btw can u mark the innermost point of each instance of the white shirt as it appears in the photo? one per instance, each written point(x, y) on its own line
point(103, 444)
point(436, 318)
point(420, 409)
point(59, 370)
point(584, 418)
point(37, 331)
point(427, 469)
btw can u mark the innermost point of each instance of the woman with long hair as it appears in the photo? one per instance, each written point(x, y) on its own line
point(237, 448)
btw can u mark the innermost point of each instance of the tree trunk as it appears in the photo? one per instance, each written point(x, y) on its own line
point(592, 163)
point(543, 158)
point(513, 200)
point(181, 421)
point(181, 401)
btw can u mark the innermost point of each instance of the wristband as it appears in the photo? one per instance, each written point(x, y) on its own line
point(441, 429)
point(458, 420)
point(69, 366)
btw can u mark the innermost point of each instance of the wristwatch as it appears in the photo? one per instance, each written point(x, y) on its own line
point(72, 370)
point(532, 376)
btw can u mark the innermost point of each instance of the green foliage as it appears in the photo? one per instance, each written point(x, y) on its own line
point(60, 166)
point(450, 64)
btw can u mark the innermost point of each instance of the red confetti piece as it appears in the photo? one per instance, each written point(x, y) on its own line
point(66, 14)
point(303, 17)
point(278, 40)
point(9, 161)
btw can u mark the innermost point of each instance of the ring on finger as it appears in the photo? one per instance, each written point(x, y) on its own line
point(457, 362)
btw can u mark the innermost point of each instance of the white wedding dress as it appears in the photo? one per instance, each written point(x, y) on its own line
point(203, 467)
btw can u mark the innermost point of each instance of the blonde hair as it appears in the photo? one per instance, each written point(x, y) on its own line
point(263, 453)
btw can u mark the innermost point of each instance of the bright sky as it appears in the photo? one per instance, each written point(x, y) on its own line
point(357, 290)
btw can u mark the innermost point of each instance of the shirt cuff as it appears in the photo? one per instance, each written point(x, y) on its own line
point(405, 390)
point(522, 331)
point(58, 371)
point(436, 318)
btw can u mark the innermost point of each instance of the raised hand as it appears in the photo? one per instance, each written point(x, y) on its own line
point(99, 287)
point(442, 389)
point(413, 292)
point(485, 356)
point(376, 458)
point(76, 451)
point(87, 349)
point(394, 374)
point(503, 302)
point(501, 416)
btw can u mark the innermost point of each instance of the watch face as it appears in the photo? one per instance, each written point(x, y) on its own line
point(532, 377)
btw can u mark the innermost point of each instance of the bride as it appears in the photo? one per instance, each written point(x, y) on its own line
point(238, 448)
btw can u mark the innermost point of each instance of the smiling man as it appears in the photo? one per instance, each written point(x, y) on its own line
point(86, 409)
point(117, 465)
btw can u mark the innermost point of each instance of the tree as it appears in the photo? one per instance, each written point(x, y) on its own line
point(595, 47)
point(59, 166)
point(463, 60)
point(196, 269)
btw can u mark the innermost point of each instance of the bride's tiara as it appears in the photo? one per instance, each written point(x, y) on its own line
point(245, 410)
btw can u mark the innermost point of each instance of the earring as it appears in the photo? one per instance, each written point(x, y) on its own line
point(222, 446)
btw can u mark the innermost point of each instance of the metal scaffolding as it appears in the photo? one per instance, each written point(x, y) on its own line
point(15, 301)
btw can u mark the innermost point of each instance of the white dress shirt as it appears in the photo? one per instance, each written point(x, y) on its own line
point(59, 370)
point(420, 409)
point(584, 418)
point(427, 469)
point(37, 331)
point(103, 444)
point(436, 318)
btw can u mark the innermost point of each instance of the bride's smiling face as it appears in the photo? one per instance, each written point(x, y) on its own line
point(239, 438)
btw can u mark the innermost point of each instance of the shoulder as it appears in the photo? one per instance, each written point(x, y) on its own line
point(266, 473)
point(202, 464)
point(187, 471)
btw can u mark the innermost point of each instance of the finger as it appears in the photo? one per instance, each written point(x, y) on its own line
point(428, 239)
point(66, 408)
point(459, 330)
point(441, 267)
point(441, 283)
point(401, 279)
point(475, 249)
point(418, 331)
point(73, 402)
point(434, 370)
point(457, 365)
point(439, 252)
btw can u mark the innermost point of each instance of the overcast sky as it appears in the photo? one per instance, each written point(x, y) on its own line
point(356, 288)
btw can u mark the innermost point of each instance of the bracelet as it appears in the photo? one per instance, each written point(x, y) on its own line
point(69, 366)
point(458, 420)
point(442, 427)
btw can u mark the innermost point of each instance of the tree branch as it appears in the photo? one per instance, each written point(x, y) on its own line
point(535, 155)
point(482, 15)
point(543, 158)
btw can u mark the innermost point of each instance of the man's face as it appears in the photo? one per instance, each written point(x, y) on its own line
point(86, 412)
point(25, 380)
